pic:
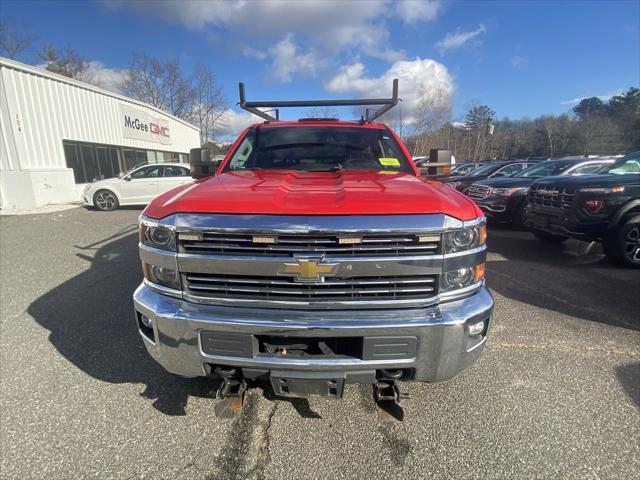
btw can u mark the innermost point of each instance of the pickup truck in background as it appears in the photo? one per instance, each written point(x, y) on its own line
point(603, 207)
point(313, 257)
point(504, 198)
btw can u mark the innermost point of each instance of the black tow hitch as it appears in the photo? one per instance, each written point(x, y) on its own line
point(387, 396)
point(231, 393)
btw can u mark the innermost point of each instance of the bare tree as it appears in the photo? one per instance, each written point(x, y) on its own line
point(432, 114)
point(210, 102)
point(548, 127)
point(143, 80)
point(180, 91)
point(161, 84)
point(321, 112)
point(14, 38)
point(67, 62)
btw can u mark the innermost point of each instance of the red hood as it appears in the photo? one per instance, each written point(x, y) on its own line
point(286, 192)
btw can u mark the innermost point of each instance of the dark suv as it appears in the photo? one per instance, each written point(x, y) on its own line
point(504, 198)
point(604, 207)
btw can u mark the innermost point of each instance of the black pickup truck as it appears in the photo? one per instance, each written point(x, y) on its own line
point(604, 207)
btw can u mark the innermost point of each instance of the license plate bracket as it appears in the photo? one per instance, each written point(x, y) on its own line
point(307, 384)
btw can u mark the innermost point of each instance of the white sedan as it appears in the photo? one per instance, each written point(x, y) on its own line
point(136, 187)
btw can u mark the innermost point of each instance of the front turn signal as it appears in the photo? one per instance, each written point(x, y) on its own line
point(478, 272)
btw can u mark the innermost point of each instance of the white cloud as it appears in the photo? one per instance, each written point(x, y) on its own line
point(286, 60)
point(105, 77)
point(254, 53)
point(325, 28)
point(518, 61)
point(414, 11)
point(603, 96)
point(231, 123)
point(319, 19)
point(420, 81)
point(455, 40)
point(99, 75)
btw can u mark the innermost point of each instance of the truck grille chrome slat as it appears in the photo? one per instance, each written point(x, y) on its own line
point(274, 288)
point(268, 281)
point(479, 192)
point(551, 197)
point(375, 279)
point(367, 245)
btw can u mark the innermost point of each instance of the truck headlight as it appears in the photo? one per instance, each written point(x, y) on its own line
point(461, 278)
point(465, 239)
point(156, 235)
point(164, 276)
point(453, 184)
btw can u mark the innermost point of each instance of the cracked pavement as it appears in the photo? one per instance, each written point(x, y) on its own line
point(556, 393)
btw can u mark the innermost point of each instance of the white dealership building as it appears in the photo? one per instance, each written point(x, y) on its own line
point(59, 134)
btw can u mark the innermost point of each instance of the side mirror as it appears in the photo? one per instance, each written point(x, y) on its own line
point(439, 162)
point(127, 178)
point(200, 163)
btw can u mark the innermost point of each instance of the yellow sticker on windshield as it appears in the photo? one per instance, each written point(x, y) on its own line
point(389, 162)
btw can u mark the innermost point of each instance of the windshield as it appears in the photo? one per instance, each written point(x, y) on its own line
point(315, 149)
point(625, 166)
point(545, 169)
point(465, 169)
point(488, 168)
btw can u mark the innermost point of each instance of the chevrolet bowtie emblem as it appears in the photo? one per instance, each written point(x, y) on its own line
point(308, 270)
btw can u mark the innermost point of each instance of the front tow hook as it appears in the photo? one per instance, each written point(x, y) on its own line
point(387, 396)
point(231, 394)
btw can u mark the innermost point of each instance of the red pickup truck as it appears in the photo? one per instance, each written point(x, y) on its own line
point(313, 256)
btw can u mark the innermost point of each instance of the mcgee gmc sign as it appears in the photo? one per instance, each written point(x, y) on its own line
point(139, 125)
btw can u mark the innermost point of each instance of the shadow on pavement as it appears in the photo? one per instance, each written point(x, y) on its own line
point(569, 278)
point(629, 377)
point(90, 320)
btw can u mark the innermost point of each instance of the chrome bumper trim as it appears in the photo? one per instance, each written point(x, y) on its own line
point(444, 346)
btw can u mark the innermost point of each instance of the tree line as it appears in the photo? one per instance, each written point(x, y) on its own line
point(594, 127)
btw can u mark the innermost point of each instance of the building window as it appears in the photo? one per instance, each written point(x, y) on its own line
point(91, 162)
point(73, 162)
point(108, 162)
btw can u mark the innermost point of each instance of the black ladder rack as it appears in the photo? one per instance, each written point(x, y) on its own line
point(385, 104)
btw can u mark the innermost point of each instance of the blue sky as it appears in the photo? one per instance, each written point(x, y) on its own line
point(521, 58)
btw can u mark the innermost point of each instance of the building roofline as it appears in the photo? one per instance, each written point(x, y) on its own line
point(41, 72)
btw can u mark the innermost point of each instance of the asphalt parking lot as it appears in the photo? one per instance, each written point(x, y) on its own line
point(555, 395)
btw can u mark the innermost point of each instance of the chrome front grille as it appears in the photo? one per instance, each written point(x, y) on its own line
point(333, 290)
point(542, 195)
point(479, 192)
point(313, 262)
point(368, 245)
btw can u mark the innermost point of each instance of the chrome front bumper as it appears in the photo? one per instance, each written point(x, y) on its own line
point(443, 345)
